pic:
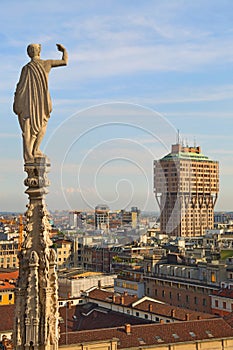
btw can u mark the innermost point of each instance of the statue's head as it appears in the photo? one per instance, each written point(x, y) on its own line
point(33, 50)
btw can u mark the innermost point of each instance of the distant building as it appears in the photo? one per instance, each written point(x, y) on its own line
point(102, 217)
point(222, 300)
point(77, 219)
point(186, 185)
point(9, 253)
point(73, 286)
point(64, 250)
point(182, 284)
point(130, 217)
point(131, 282)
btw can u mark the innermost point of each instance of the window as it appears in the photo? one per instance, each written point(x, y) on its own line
point(137, 313)
point(195, 300)
point(210, 335)
point(141, 341)
point(204, 302)
point(192, 334)
point(216, 303)
point(146, 316)
point(0, 298)
point(187, 298)
point(175, 336)
point(10, 297)
point(213, 277)
point(178, 296)
point(224, 305)
point(163, 293)
point(159, 339)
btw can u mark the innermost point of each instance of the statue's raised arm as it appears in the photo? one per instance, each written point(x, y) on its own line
point(32, 102)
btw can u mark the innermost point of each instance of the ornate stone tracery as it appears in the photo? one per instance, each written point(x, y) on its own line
point(36, 318)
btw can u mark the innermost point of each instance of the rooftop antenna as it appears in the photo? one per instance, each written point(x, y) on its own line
point(178, 136)
point(194, 142)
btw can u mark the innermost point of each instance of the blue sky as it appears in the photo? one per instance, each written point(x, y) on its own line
point(138, 71)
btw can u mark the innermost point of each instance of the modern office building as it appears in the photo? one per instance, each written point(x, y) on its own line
point(102, 217)
point(186, 185)
point(77, 219)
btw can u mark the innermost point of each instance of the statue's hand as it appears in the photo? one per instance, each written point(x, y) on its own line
point(60, 47)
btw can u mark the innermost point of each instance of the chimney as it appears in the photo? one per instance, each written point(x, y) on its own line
point(122, 300)
point(186, 317)
point(113, 298)
point(161, 321)
point(199, 317)
point(128, 328)
point(173, 312)
point(150, 307)
point(99, 284)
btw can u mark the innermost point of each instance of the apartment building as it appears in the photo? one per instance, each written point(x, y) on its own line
point(64, 249)
point(9, 253)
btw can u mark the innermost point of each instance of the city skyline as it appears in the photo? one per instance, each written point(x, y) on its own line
point(137, 73)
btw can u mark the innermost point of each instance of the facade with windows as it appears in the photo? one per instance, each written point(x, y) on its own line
point(7, 293)
point(186, 185)
point(9, 254)
point(222, 300)
point(64, 249)
point(183, 285)
point(130, 282)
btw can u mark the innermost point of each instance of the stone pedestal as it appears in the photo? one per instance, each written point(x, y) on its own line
point(36, 318)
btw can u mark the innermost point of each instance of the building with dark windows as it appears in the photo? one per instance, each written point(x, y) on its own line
point(186, 185)
point(102, 217)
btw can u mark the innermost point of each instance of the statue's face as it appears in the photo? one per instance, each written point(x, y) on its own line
point(33, 50)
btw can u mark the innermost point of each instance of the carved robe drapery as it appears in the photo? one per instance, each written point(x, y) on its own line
point(32, 98)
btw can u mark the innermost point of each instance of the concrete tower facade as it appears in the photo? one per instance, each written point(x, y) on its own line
point(186, 186)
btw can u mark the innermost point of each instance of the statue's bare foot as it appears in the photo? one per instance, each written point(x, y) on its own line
point(29, 160)
point(38, 153)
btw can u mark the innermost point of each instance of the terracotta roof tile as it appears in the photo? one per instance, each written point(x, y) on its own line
point(9, 275)
point(100, 294)
point(155, 333)
point(91, 316)
point(224, 292)
point(6, 285)
point(171, 311)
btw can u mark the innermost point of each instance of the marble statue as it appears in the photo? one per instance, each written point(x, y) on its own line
point(32, 102)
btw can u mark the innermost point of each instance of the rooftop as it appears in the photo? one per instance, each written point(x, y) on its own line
point(190, 153)
point(90, 316)
point(224, 292)
point(152, 334)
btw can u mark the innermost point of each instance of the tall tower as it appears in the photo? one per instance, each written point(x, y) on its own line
point(36, 315)
point(186, 185)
